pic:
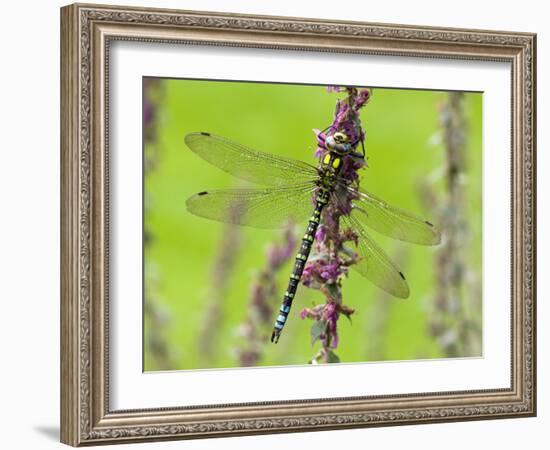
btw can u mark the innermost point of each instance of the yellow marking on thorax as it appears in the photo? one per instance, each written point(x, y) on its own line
point(326, 159)
point(336, 163)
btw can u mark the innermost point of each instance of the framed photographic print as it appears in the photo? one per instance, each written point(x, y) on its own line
point(277, 224)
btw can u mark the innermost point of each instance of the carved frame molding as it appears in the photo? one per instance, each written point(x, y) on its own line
point(86, 32)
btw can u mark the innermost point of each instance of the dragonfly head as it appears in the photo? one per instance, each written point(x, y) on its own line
point(339, 143)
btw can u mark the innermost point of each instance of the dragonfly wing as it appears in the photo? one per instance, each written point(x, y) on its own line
point(392, 222)
point(248, 164)
point(374, 264)
point(261, 208)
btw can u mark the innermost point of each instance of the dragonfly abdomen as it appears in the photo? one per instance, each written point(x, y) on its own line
point(300, 262)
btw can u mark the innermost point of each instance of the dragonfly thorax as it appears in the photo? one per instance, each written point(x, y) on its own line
point(330, 165)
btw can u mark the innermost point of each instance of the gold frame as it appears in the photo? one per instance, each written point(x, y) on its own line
point(86, 31)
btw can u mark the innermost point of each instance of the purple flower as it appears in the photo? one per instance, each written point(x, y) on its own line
point(341, 117)
point(362, 98)
point(321, 148)
point(319, 152)
point(320, 234)
point(312, 313)
point(322, 271)
point(148, 112)
point(350, 166)
point(330, 314)
point(330, 272)
point(307, 274)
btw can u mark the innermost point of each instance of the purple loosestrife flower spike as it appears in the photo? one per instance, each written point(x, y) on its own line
point(156, 317)
point(326, 269)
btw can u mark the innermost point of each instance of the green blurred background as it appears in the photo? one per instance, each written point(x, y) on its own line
point(191, 322)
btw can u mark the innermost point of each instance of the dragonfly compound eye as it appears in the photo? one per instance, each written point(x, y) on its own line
point(340, 138)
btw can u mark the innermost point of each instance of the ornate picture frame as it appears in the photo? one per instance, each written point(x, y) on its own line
point(87, 31)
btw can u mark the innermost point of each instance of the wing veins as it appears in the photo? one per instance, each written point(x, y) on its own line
point(262, 207)
point(376, 265)
point(249, 164)
point(391, 221)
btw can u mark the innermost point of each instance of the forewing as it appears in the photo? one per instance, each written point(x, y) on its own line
point(374, 264)
point(375, 213)
point(261, 208)
point(248, 164)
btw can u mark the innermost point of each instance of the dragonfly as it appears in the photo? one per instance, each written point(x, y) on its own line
point(293, 191)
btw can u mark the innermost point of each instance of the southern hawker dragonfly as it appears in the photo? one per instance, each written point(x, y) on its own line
point(292, 191)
